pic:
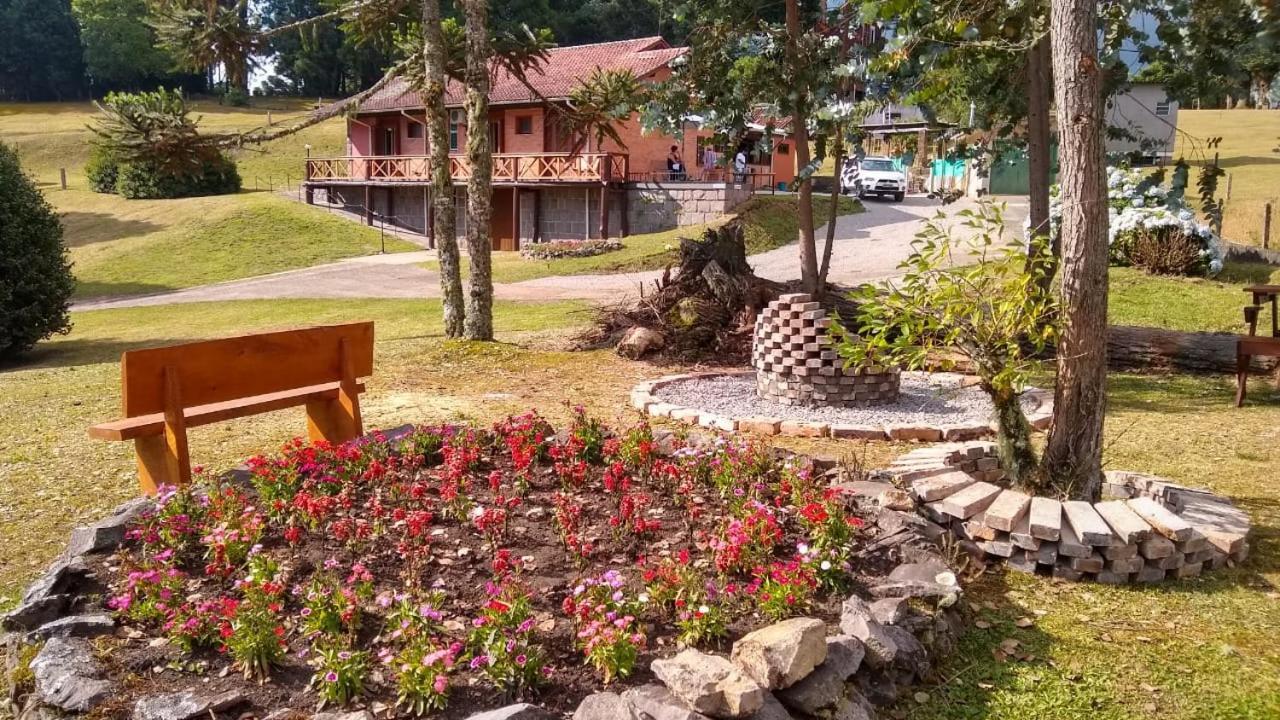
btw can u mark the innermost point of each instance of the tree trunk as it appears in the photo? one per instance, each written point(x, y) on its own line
point(1262, 90)
point(1013, 441)
point(1073, 457)
point(479, 321)
point(800, 129)
point(838, 154)
point(444, 226)
point(1039, 94)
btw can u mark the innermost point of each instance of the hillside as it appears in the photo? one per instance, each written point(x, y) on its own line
point(1250, 153)
point(124, 247)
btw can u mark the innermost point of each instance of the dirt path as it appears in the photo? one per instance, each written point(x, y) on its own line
point(868, 247)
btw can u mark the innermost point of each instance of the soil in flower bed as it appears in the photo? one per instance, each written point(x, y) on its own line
point(471, 567)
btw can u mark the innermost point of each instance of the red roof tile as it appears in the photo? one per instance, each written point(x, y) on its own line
point(564, 69)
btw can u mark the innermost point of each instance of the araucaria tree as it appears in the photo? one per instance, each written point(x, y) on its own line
point(1073, 457)
point(35, 276)
point(479, 320)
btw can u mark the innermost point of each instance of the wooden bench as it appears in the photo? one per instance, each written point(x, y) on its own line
point(169, 389)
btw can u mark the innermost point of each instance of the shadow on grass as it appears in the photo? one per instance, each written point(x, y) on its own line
point(87, 291)
point(101, 227)
point(71, 353)
point(979, 668)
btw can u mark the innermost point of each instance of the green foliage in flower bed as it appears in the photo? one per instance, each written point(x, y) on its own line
point(473, 562)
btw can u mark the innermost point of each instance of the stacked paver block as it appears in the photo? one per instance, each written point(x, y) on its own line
point(796, 363)
point(1149, 530)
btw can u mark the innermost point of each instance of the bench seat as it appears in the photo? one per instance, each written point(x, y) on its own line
point(153, 424)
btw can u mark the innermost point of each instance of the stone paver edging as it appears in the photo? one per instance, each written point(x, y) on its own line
point(643, 399)
point(1145, 530)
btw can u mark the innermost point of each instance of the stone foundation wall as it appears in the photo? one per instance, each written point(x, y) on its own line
point(796, 363)
point(654, 207)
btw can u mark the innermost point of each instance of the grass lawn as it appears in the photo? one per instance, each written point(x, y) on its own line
point(126, 247)
point(1190, 304)
point(1199, 649)
point(1250, 139)
point(769, 222)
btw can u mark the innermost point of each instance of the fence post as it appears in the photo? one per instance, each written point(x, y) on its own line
point(1266, 225)
point(1228, 186)
point(62, 173)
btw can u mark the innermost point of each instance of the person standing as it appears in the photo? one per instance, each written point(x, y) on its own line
point(740, 165)
point(675, 165)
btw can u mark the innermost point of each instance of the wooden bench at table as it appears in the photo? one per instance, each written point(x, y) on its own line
point(169, 389)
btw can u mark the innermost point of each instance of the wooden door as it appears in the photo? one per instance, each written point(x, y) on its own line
point(503, 223)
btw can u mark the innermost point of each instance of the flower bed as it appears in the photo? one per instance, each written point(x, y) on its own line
point(443, 569)
point(568, 249)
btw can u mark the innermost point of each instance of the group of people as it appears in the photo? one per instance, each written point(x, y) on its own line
point(677, 172)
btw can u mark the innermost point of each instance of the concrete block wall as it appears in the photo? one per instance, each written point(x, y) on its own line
point(654, 207)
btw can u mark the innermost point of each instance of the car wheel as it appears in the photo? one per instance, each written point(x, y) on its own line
point(897, 197)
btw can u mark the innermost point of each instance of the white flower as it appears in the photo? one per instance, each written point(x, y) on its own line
point(644, 597)
point(825, 565)
point(704, 609)
point(802, 549)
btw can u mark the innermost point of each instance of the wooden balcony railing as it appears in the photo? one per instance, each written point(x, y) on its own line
point(507, 168)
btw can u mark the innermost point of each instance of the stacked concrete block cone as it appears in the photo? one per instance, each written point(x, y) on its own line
point(1147, 530)
point(796, 363)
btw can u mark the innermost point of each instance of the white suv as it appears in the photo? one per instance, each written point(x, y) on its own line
point(874, 176)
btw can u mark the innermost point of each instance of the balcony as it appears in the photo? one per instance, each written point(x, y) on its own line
point(530, 168)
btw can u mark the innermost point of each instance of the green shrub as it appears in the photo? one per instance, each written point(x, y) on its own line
point(140, 180)
point(102, 170)
point(150, 143)
point(235, 97)
point(35, 276)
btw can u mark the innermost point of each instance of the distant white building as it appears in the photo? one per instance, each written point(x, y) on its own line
point(1149, 118)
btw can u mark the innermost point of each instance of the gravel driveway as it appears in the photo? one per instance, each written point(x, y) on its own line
point(868, 247)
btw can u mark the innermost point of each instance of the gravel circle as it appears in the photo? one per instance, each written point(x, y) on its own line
point(925, 398)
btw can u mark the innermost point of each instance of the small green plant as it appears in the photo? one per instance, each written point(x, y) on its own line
point(340, 674)
point(972, 297)
point(422, 675)
point(253, 630)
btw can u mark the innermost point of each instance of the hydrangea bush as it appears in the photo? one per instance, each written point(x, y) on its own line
point(1152, 228)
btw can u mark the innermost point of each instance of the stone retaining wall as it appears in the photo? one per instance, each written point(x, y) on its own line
point(655, 206)
point(642, 399)
point(1147, 530)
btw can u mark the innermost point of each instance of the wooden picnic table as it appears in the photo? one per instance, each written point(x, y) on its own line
point(1262, 294)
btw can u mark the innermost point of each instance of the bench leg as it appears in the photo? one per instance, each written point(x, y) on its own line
point(334, 420)
point(1242, 376)
point(158, 464)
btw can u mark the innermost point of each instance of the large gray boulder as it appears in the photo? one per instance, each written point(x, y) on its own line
point(185, 705)
point(108, 533)
point(69, 677)
point(709, 684)
point(603, 706)
point(857, 619)
point(780, 655)
point(655, 702)
point(81, 626)
point(49, 596)
point(519, 711)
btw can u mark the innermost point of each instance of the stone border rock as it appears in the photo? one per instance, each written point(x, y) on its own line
point(642, 399)
point(1147, 528)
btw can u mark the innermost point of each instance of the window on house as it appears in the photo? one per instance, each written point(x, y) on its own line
point(783, 149)
point(524, 125)
point(415, 130)
point(1162, 108)
point(455, 122)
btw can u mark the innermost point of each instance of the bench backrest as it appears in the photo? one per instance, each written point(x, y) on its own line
point(232, 368)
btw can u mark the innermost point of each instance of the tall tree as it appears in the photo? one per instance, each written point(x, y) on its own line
point(479, 320)
point(445, 228)
point(799, 110)
point(40, 54)
point(1073, 457)
point(120, 50)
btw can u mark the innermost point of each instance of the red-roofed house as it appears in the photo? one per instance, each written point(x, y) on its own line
point(542, 191)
